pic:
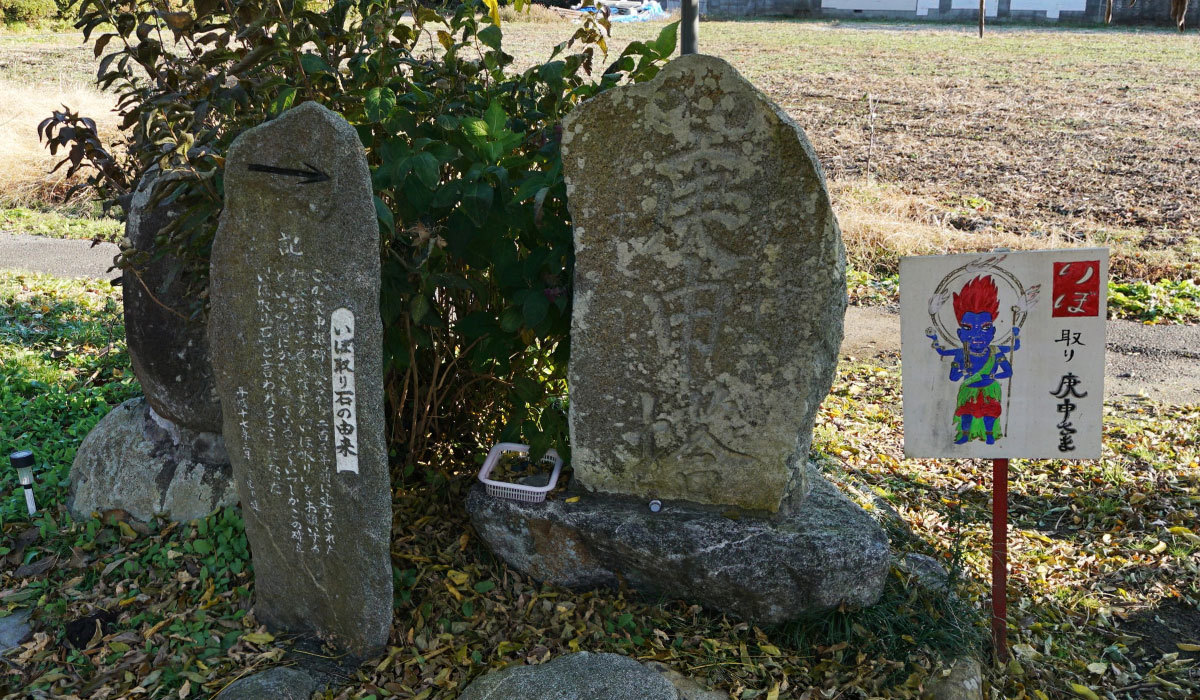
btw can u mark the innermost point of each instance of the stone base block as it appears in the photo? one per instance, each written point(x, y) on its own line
point(587, 676)
point(139, 462)
point(817, 555)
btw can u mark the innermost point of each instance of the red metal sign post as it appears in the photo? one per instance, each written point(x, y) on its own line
point(1000, 559)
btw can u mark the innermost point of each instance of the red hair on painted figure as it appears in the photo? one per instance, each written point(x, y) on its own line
point(977, 297)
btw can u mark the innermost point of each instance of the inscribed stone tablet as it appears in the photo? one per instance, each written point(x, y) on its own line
point(709, 290)
point(296, 343)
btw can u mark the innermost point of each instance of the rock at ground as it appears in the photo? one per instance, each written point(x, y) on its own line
point(709, 290)
point(297, 347)
point(14, 629)
point(825, 552)
point(579, 676)
point(962, 681)
point(168, 350)
point(688, 688)
point(139, 462)
point(279, 683)
point(926, 571)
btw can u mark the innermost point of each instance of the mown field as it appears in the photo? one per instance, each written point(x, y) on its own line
point(933, 140)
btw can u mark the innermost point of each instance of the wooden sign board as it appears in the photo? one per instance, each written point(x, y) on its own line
point(1003, 354)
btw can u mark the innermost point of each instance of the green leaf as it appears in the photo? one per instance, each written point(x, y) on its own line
point(379, 103)
point(386, 219)
point(283, 101)
point(484, 586)
point(202, 547)
point(477, 201)
point(475, 129)
point(534, 309)
point(511, 320)
point(314, 64)
point(530, 186)
point(427, 169)
point(495, 118)
point(664, 45)
point(420, 307)
point(491, 36)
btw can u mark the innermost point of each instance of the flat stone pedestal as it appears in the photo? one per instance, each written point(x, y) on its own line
point(820, 554)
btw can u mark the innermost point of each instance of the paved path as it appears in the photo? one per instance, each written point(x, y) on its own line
point(1160, 362)
point(64, 258)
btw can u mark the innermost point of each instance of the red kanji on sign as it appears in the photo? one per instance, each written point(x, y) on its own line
point(1076, 288)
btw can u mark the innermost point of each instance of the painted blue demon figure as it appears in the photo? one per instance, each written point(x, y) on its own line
point(978, 365)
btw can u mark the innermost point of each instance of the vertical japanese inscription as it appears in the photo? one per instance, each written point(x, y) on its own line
point(294, 342)
point(345, 405)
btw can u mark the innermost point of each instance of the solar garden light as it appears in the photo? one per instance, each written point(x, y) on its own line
point(23, 462)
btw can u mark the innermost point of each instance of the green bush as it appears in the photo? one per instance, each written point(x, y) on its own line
point(465, 161)
point(27, 10)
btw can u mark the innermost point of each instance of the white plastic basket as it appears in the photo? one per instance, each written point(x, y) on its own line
point(517, 492)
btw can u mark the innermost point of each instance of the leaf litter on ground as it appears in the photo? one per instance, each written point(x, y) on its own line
point(1098, 550)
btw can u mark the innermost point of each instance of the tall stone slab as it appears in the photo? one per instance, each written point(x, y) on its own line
point(296, 343)
point(709, 290)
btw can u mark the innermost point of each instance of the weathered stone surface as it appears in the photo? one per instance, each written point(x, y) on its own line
point(297, 347)
point(709, 290)
point(824, 552)
point(277, 683)
point(139, 462)
point(926, 572)
point(168, 352)
point(14, 629)
point(962, 681)
point(579, 676)
point(688, 688)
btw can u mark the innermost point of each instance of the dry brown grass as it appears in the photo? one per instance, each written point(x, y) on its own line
point(25, 163)
point(533, 13)
point(881, 223)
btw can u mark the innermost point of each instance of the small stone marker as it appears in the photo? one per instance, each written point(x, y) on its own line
point(709, 290)
point(296, 343)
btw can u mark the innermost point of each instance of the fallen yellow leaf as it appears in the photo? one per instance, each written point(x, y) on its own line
point(773, 693)
point(259, 637)
point(1083, 691)
point(1184, 646)
point(1159, 548)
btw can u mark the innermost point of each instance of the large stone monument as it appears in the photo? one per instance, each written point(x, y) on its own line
point(162, 454)
point(297, 347)
point(709, 297)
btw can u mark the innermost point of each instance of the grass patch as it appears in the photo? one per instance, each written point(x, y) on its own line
point(59, 223)
point(1165, 301)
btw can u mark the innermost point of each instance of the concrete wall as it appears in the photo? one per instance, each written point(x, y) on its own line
point(1156, 12)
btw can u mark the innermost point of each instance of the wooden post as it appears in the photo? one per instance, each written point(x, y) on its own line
point(982, 10)
point(1000, 559)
